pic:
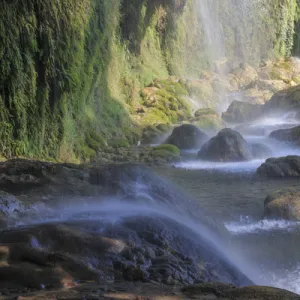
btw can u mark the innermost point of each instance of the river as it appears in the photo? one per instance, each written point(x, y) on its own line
point(196, 221)
point(232, 194)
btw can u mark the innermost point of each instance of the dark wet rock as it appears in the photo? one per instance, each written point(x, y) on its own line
point(223, 291)
point(260, 151)
point(147, 291)
point(291, 135)
point(240, 112)
point(283, 204)
point(227, 145)
point(9, 204)
point(88, 249)
point(19, 176)
point(285, 100)
point(281, 167)
point(187, 136)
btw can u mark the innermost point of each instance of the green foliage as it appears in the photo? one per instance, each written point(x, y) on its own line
point(168, 148)
point(72, 68)
point(204, 112)
point(207, 118)
point(165, 152)
point(119, 143)
point(165, 102)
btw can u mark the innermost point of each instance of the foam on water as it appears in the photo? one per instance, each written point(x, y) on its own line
point(261, 226)
point(247, 166)
point(289, 280)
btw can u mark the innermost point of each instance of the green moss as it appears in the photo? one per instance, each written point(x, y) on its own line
point(168, 148)
point(119, 143)
point(87, 153)
point(72, 67)
point(204, 112)
point(163, 127)
point(165, 152)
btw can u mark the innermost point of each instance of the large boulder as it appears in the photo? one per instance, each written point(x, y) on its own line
point(283, 204)
point(287, 135)
point(239, 112)
point(281, 167)
point(228, 145)
point(187, 136)
point(285, 100)
point(136, 248)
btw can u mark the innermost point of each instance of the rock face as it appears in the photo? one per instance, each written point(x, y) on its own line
point(9, 204)
point(288, 99)
point(281, 167)
point(139, 248)
point(239, 112)
point(283, 204)
point(187, 136)
point(260, 151)
point(291, 135)
point(228, 145)
point(246, 74)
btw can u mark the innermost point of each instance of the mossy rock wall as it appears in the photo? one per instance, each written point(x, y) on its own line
point(71, 68)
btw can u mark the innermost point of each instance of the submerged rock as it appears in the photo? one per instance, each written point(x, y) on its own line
point(291, 135)
point(228, 145)
point(281, 167)
point(260, 151)
point(239, 112)
point(283, 204)
point(187, 136)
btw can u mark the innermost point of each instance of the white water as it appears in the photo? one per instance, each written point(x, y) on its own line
point(245, 226)
point(259, 132)
point(214, 38)
point(248, 166)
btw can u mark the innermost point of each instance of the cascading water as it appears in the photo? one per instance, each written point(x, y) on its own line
point(211, 24)
point(233, 34)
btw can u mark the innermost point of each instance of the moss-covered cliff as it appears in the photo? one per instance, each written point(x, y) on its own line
point(71, 71)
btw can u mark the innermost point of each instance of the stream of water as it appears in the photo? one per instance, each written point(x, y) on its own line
point(221, 209)
point(233, 195)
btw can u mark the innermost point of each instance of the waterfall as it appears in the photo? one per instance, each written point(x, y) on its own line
point(235, 32)
point(239, 31)
point(212, 30)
